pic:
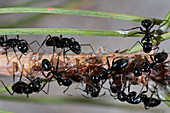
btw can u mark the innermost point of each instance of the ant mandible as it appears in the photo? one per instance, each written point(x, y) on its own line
point(146, 40)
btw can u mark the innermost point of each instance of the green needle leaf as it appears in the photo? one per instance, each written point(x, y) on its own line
point(110, 15)
point(59, 31)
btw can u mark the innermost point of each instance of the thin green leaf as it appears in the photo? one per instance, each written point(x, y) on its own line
point(110, 15)
point(138, 47)
point(2, 111)
point(33, 18)
point(59, 31)
point(165, 24)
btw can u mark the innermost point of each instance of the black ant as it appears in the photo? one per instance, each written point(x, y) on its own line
point(117, 66)
point(22, 45)
point(146, 40)
point(158, 58)
point(46, 66)
point(60, 42)
point(92, 90)
point(27, 88)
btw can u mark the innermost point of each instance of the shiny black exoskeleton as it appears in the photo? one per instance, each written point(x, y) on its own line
point(22, 45)
point(117, 66)
point(21, 87)
point(151, 102)
point(146, 40)
point(92, 90)
point(60, 42)
point(46, 66)
point(158, 58)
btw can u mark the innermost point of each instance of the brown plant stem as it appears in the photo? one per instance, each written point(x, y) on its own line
point(34, 60)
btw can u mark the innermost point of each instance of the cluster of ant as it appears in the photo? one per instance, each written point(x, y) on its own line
point(94, 76)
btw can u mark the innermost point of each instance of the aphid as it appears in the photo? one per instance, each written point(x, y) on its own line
point(146, 40)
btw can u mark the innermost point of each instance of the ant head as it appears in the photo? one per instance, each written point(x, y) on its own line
point(23, 47)
point(103, 75)
point(95, 79)
point(46, 65)
point(146, 23)
point(137, 72)
point(75, 47)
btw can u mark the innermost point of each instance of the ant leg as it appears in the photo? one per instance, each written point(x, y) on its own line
point(44, 74)
point(130, 29)
point(66, 90)
point(148, 74)
point(108, 63)
point(53, 54)
point(155, 39)
point(154, 22)
point(110, 92)
point(35, 41)
point(102, 94)
point(134, 34)
point(21, 74)
point(151, 58)
point(13, 75)
point(85, 96)
point(44, 42)
point(136, 44)
point(152, 32)
point(147, 60)
point(15, 53)
point(90, 47)
point(7, 88)
point(100, 67)
point(156, 48)
point(6, 52)
point(46, 92)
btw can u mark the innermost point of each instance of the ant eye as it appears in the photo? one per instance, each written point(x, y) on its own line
point(146, 23)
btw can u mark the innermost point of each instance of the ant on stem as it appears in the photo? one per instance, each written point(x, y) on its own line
point(146, 40)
